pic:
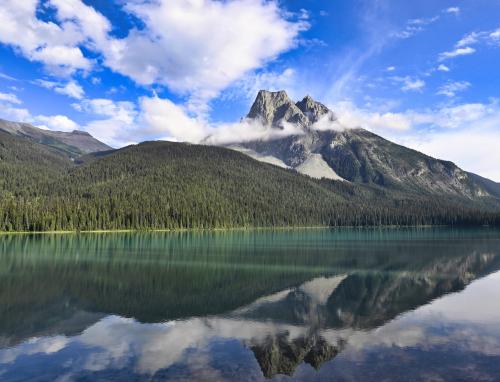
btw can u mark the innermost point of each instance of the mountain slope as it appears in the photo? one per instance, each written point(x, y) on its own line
point(25, 165)
point(356, 155)
point(72, 144)
point(165, 185)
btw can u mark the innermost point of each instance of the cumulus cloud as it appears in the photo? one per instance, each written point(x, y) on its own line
point(196, 48)
point(200, 47)
point(350, 116)
point(56, 46)
point(55, 122)
point(112, 122)
point(71, 89)
point(443, 68)
point(452, 88)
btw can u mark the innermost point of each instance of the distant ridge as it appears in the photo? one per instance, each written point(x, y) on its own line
point(73, 143)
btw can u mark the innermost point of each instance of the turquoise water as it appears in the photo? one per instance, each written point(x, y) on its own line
point(312, 304)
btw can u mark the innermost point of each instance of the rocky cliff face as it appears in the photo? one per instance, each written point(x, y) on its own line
point(354, 155)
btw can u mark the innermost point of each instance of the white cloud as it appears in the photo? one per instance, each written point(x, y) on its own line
point(55, 122)
point(452, 88)
point(443, 68)
point(390, 68)
point(469, 39)
point(474, 149)
point(415, 26)
point(457, 52)
point(71, 89)
point(12, 113)
point(18, 114)
point(164, 118)
point(413, 85)
point(196, 48)
point(201, 47)
point(409, 83)
point(351, 116)
point(9, 97)
point(454, 10)
point(7, 77)
point(112, 122)
point(56, 46)
point(488, 37)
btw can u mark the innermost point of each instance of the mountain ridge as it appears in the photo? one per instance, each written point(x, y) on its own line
point(355, 154)
point(73, 143)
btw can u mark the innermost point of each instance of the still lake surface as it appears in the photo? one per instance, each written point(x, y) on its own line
point(307, 305)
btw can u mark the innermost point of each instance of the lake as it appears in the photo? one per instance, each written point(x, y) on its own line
point(306, 304)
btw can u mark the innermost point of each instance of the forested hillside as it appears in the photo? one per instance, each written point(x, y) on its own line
point(162, 185)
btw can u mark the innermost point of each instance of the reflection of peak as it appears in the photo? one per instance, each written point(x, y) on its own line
point(300, 305)
point(281, 355)
point(368, 299)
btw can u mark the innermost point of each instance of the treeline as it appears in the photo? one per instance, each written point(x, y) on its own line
point(170, 186)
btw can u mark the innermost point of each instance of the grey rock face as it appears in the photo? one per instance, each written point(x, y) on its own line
point(73, 144)
point(272, 108)
point(314, 111)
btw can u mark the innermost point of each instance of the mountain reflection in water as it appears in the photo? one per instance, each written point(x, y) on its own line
point(251, 305)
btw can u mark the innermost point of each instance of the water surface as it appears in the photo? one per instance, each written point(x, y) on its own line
point(343, 305)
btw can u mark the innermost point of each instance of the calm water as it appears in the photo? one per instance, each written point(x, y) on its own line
point(341, 305)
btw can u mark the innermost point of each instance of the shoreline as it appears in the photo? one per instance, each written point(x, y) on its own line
point(176, 230)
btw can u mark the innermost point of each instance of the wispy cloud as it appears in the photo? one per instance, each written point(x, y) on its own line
point(452, 88)
point(443, 68)
point(71, 88)
point(9, 97)
point(7, 77)
point(409, 83)
point(456, 53)
point(415, 26)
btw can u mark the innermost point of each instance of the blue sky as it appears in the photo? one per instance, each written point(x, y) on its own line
point(424, 74)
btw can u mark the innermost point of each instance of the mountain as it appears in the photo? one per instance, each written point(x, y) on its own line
point(73, 144)
point(166, 185)
point(327, 149)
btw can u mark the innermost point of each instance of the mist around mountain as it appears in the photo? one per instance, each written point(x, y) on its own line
point(307, 170)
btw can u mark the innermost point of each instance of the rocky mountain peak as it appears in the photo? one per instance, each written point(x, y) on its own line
point(272, 108)
point(314, 110)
